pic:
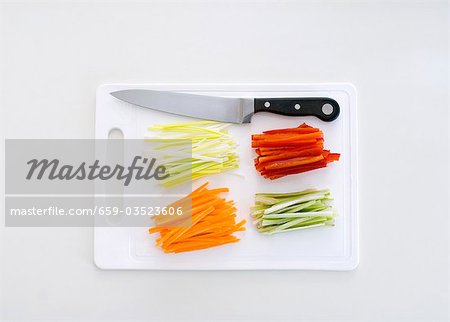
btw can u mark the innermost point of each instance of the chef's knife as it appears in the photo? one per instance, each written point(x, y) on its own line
point(229, 109)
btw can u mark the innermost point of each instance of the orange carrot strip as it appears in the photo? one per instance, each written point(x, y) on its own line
point(197, 246)
point(178, 231)
point(199, 189)
point(183, 230)
point(218, 190)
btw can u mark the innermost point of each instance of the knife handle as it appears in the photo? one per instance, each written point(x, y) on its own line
point(326, 109)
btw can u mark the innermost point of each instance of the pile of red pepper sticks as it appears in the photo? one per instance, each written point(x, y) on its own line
point(290, 151)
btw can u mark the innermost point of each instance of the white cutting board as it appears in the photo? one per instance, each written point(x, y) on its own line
point(324, 248)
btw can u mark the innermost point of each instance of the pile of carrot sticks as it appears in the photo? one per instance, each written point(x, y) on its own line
point(208, 220)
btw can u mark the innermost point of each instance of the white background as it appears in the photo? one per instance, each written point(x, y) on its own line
point(53, 55)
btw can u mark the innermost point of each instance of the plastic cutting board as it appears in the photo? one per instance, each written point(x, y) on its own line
point(324, 248)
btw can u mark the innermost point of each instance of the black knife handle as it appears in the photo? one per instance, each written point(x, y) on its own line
point(326, 109)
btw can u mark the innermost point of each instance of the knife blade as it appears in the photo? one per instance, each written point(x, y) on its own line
point(229, 109)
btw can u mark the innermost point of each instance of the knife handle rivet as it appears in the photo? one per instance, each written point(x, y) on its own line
point(327, 109)
point(267, 104)
point(297, 106)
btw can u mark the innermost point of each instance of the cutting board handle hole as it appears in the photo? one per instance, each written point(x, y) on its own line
point(115, 134)
point(114, 154)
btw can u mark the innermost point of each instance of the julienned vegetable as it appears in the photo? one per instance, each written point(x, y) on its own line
point(193, 150)
point(208, 222)
point(282, 212)
point(290, 151)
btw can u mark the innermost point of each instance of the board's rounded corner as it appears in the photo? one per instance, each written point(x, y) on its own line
point(99, 264)
point(350, 88)
point(102, 88)
point(352, 264)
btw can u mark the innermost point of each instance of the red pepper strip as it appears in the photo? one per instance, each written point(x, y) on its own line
point(316, 134)
point(305, 126)
point(262, 143)
point(294, 149)
point(295, 130)
point(318, 142)
point(298, 171)
point(259, 167)
point(290, 138)
point(286, 149)
point(333, 157)
point(276, 176)
point(292, 162)
point(291, 154)
point(295, 170)
point(282, 143)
